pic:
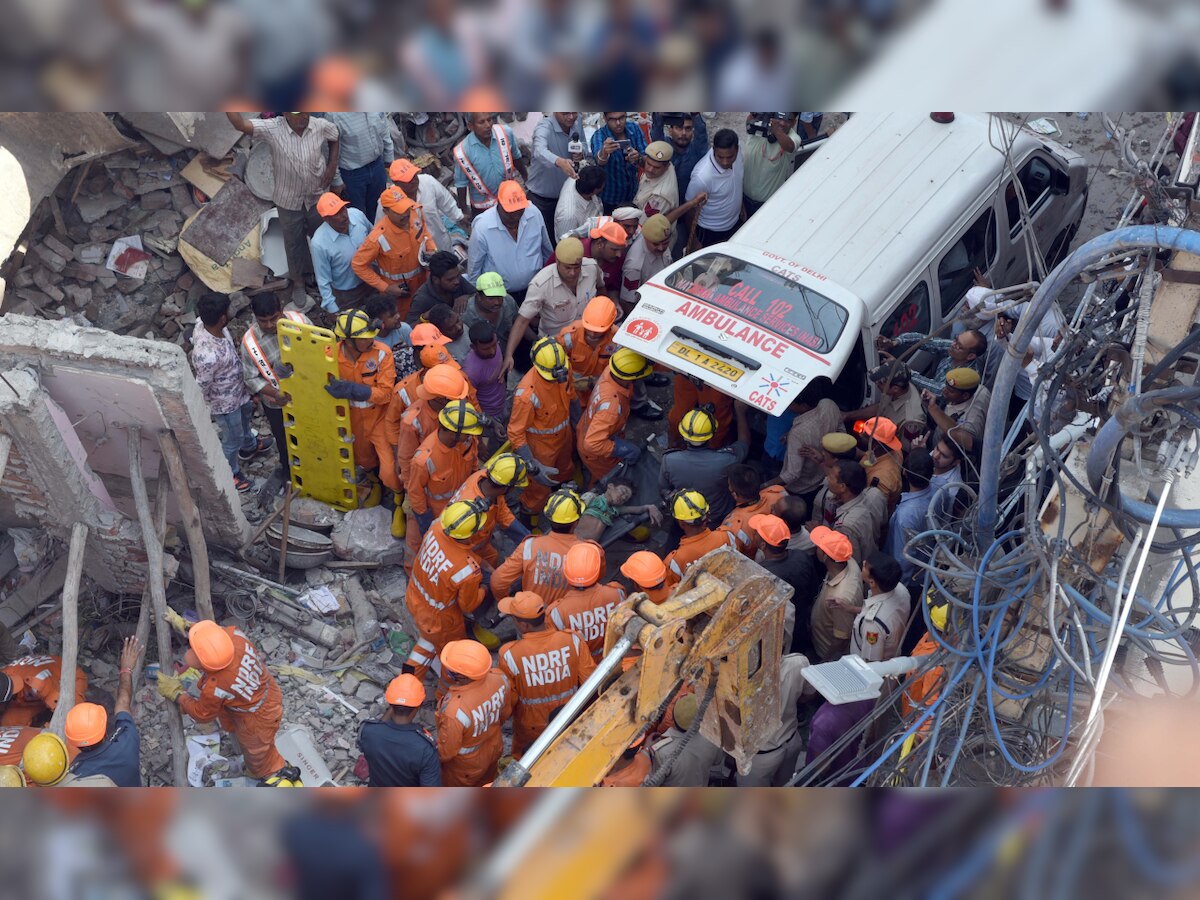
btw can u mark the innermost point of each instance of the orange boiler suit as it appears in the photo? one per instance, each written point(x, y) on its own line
point(687, 397)
point(498, 514)
point(390, 254)
point(692, 548)
point(541, 419)
point(446, 581)
point(469, 721)
point(245, 698)
point(587, 362)
point(36, 681)
point(586, 611)
point(437, 471)
point(545, 668)
point(538, 562)
point(737, 522)
point(377, 370)
point(604, 419)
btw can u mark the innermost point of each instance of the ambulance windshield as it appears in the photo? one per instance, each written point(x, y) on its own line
point(763, 297)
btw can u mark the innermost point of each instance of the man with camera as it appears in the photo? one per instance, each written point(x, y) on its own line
point(618, 147)
point(771, 147)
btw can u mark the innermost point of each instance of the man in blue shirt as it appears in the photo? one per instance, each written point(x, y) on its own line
point(511, 239)
point(333, 247)
point(399, 752)
point(483, 160)
point(910, 518)
point(620, 160)
point(103, 750)
point(552, 161)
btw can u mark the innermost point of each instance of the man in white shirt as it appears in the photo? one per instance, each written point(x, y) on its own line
point(719, 175)
point(878, 630)
point(437, 204)
point(579, 200)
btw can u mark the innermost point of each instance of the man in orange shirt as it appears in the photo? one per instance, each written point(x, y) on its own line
point(441, 384)
point(601, 432)
point(690, 510)
point(546, 666)
point(368, 376)
point(588, 342)
point(692, 393)
point(539, 428)
point(884, 459)
point(488, 488)
point(443, 461)
point(538, 561)
point(237, 689)
point(470, 716)
point(647, 573)
point(750, 499)
point(587, 604)
point(29, 689)
point(398, 247)
point(446, 583)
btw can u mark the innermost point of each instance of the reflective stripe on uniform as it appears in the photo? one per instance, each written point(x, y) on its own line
point(400, 276)
point(434, 603)
point(512, 662)
point(467, 751)
point(422, 652)
point(538, 701)
point(555, 430)
point(534, 400)
point(462, 574)
point(675, 568)
point(463, 718)
point(527, 550)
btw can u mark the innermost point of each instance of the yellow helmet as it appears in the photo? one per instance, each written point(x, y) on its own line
point(10, 776)
point(354, 323)
point(564, 507)
point(629, 365)
point(461, 417)
point(937, 611)
point(698, 426)
point(550, 360)
point(288, 776)
point(508, 470)
point(689, 506)
point(45, 759)
point(463, 518)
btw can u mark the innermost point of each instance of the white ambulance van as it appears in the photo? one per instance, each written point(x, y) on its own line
point(878, 233)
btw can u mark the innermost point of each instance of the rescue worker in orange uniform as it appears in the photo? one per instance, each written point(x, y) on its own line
point(546, 666)
point(368, 377)
point(538, 562)
point(544, 408)
point(446, 583)
point(692, 393)
point(690, 510)
point(443, 461)
point(392, 258)
point(589, 346)
point(601, 431)
point(633, 767)
point(15, 738)
point(587, 604)
point(921, 690)
point(648, 574)
point(750, 499)
point(490, 488)
point(29, 689)
point(471, 714)
point(236, 688)
point(422, 336)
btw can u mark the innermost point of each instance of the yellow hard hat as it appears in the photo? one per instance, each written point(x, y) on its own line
point(45, 759)
point(461, 417)
point(698, 426)
point(564, 507)
point(462, 519)
point(937, 611)
point(10, 776)
point(689, 506)
point(355, 323)
point(550, 359)
point(508, 470)
point(629, 365)
point(288, 776)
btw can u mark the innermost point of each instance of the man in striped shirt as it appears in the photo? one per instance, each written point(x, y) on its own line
point(303, 170)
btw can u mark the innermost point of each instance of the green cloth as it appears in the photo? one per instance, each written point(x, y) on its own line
point(599, 507)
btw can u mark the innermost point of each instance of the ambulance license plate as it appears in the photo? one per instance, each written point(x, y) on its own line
point(704, 361)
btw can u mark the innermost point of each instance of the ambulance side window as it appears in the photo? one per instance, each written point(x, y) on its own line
point(911, 315)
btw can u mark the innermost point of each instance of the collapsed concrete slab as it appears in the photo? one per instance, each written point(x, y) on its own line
point(73, 393)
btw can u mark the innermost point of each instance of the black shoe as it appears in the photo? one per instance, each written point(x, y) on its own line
point(264, 444)
point(658, 380)
point(651, 412)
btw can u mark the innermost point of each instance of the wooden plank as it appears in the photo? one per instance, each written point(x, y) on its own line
point(70, 651)
point(191, 522)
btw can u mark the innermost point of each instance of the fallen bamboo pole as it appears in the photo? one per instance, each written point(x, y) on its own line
point(158, 594)
point(201, 579)
point(70, 649)
point(143, 624)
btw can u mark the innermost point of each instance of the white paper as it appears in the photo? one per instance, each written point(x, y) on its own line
point(202, 749)
point(320, 599)
point(1043, 126)
point(119, 246)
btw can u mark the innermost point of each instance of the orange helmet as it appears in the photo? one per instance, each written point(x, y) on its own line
point(644, 569)
point(435, 355)
point(599, 314)
point(87, 723)
point(443, 380)
point(212, 645)
point(427, 333)
point(405, 690)
point(584, 564)
point(469, 659)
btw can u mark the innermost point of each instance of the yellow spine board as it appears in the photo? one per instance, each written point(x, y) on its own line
point(319, 440)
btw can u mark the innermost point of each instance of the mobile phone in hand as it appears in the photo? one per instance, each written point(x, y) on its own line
point(624, 144)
